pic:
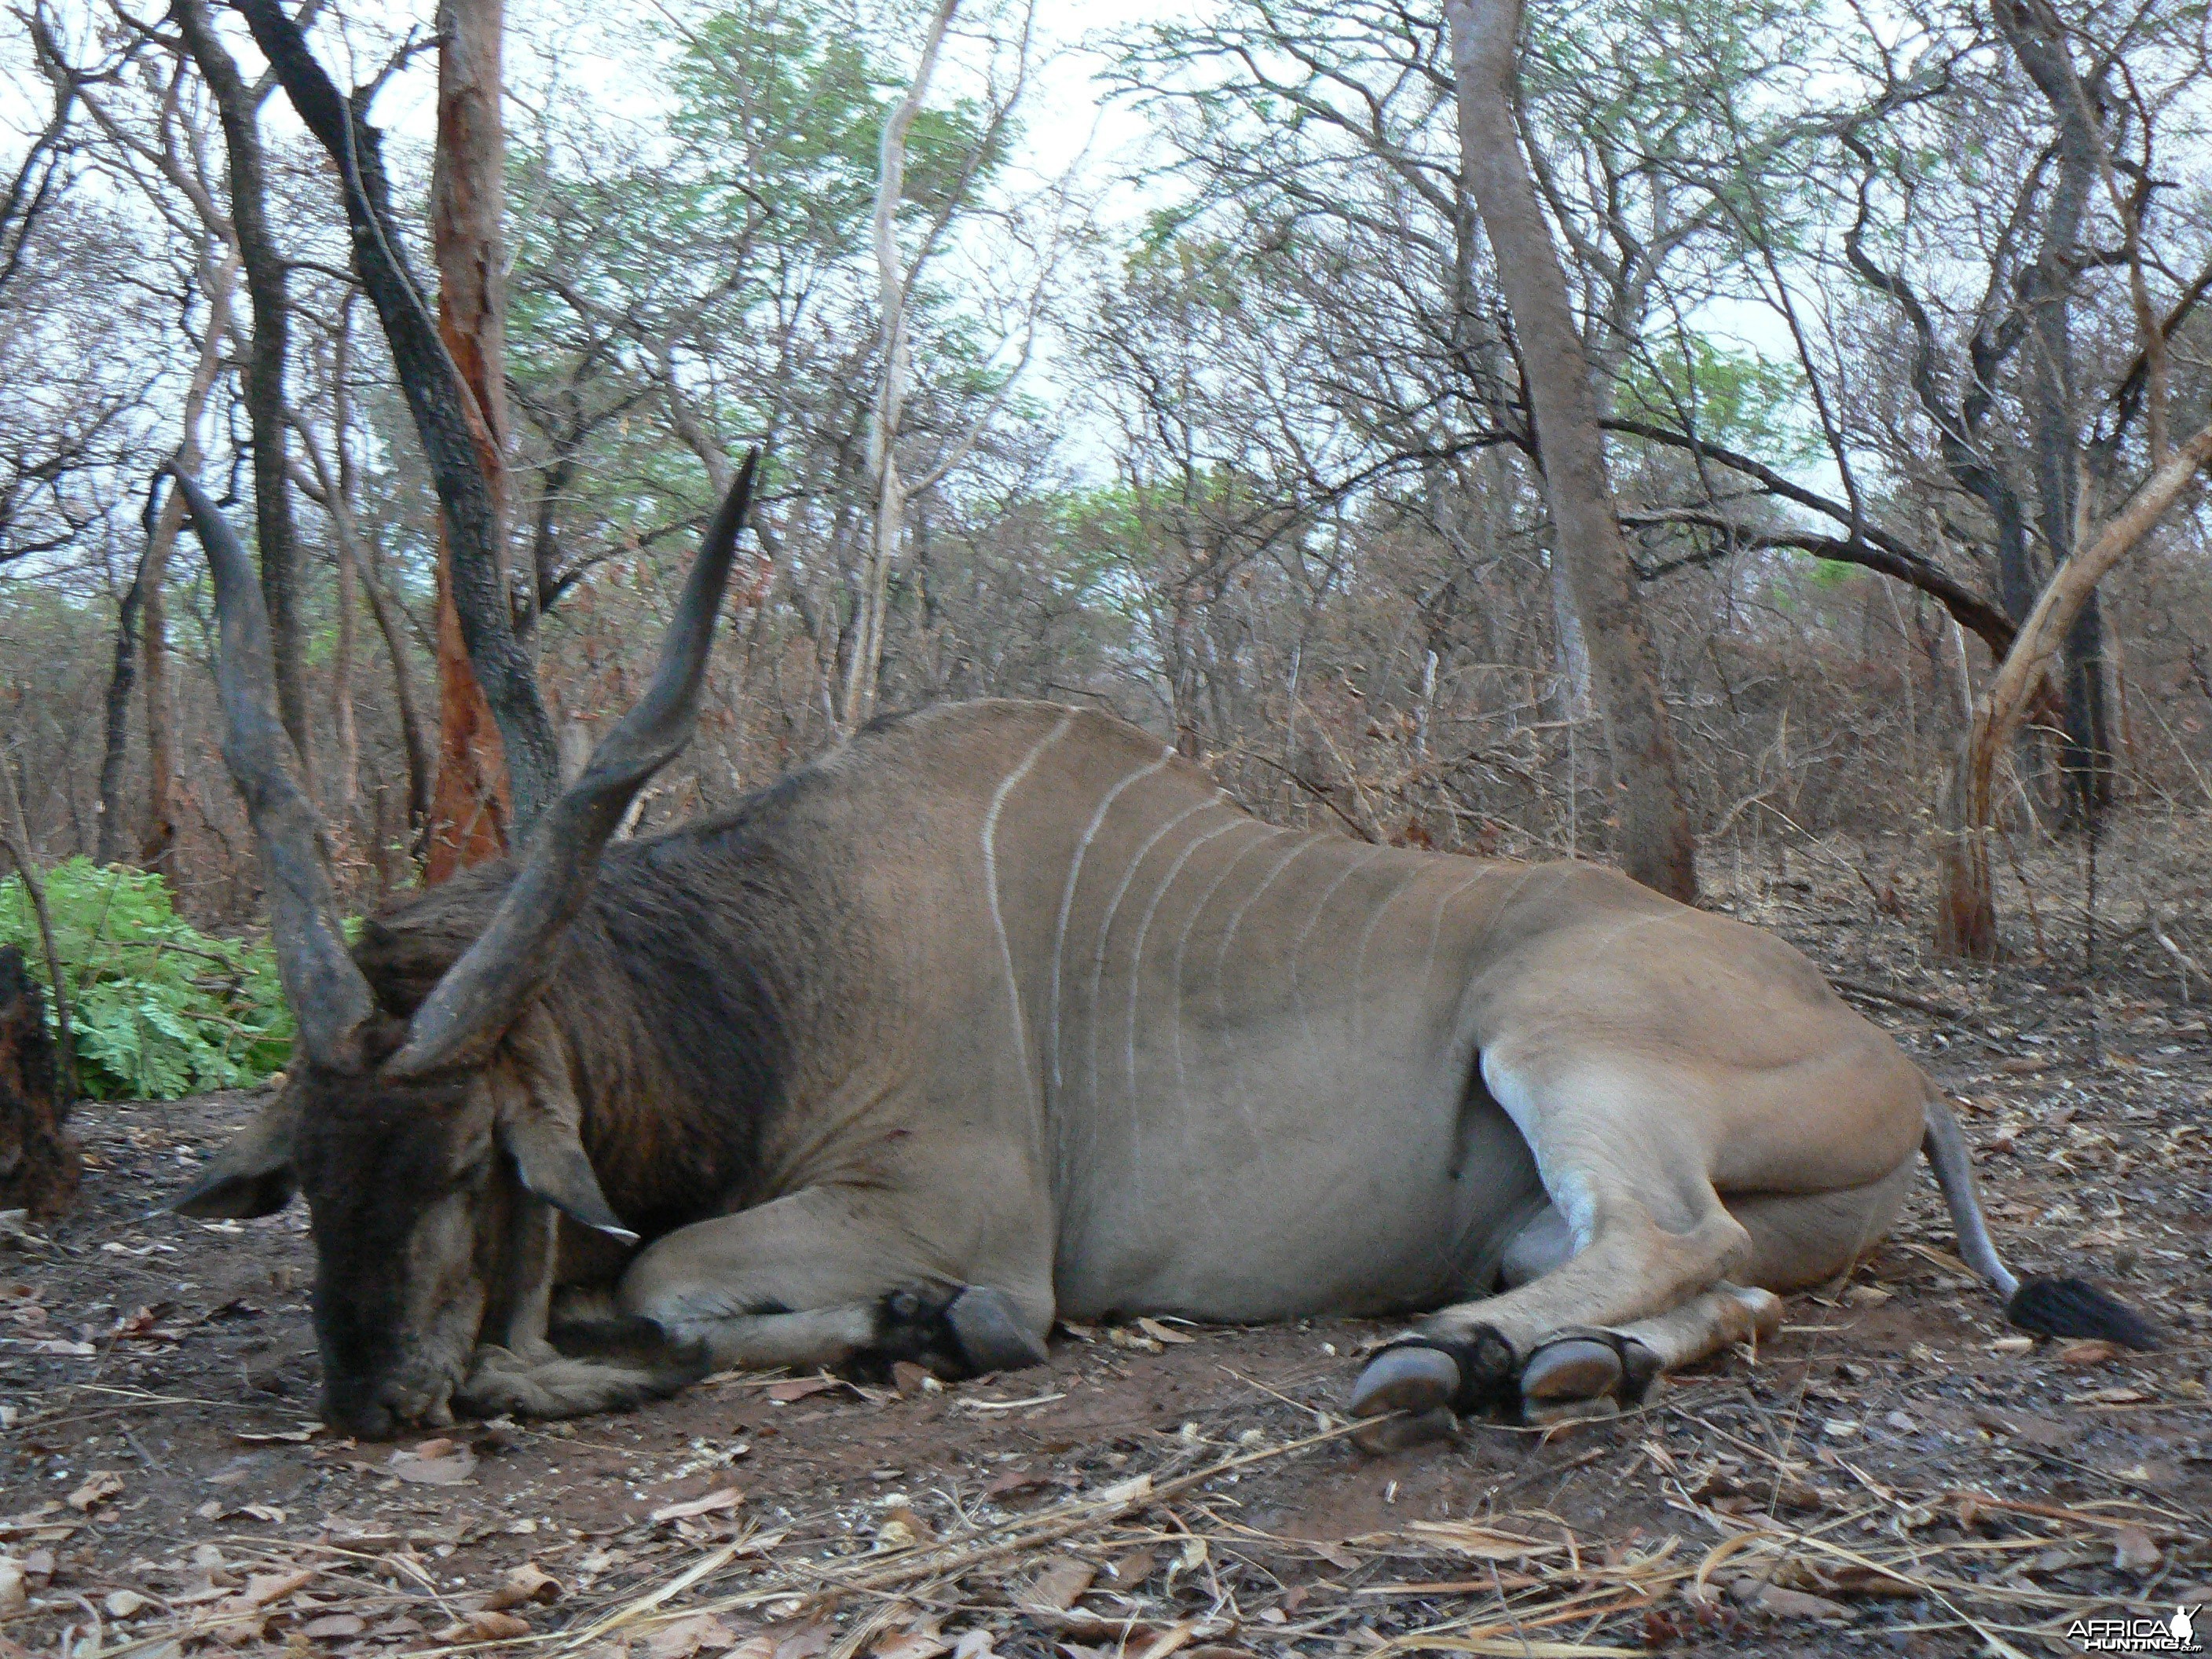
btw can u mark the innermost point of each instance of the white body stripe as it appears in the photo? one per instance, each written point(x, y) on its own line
point(1174, 968)
point(1359, 959)
point(1106, 925)
point(1137, 950)
point(1067, 894)
point(1313, 915)
point(990, 840)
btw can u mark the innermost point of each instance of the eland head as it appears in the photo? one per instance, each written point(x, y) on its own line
point(436, 1139)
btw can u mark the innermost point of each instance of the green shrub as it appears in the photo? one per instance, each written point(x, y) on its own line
point(161, 1009)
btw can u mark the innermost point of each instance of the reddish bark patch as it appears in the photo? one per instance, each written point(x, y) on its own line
point(39, 1162)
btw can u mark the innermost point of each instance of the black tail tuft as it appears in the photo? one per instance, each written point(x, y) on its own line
point(2073, 1307)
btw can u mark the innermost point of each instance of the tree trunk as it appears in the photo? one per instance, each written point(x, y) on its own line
point(422, 763)
point(158, 850)
point(1574, 648)
point(336, 494)
point(337, 488)
point(1966, 915)
point(446, 415)
point(38, 1161)
point(264, 377)
point(1656, 842)
point(862, 669)
point(15, 841)
point(109, 847)
point(2053, 412)
point(472, 811)
point(345, 789)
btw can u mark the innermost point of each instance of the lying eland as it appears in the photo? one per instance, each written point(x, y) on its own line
point(1002, 1011)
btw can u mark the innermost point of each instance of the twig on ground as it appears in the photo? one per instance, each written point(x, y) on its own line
point(1854, 988)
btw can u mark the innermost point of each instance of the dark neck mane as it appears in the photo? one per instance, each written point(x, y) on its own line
point(674, 995)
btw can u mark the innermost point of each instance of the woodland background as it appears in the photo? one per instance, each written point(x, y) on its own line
point(1240, 368)
point(1219, 420)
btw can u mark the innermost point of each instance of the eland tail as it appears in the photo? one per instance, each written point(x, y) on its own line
point(2048, 1306)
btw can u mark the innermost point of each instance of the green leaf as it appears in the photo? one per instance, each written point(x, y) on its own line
point(160, 1009)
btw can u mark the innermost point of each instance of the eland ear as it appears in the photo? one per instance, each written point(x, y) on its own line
point(252, 1175)
point(539, 1113)
point(553, 1166)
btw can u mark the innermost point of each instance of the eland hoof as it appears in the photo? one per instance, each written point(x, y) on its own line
point(989, 1330)
point(1409, 1392)
point(1396, 1432)
point(1411, 1378)
point(1586, 1365)
point(1572, 1368)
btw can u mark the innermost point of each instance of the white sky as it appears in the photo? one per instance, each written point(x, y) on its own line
point(1068, 119)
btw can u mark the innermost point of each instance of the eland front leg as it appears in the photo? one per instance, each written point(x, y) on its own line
point(831, 1276)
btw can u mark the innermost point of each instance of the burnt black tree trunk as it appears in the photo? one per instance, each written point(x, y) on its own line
point(445, 413)
point(39, 1162)
point(120, 682)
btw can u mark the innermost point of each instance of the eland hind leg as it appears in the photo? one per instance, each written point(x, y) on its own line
point(1636, 1229)
point(1667, 1272)
point(1797, 1239)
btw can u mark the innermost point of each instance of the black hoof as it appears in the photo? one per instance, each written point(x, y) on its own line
point(1576, 1365)
point(991, 1333)
point(917, 1308)
point(1397, 1433)
point(963, 1330)
point(1572, 1368)
point(1421, 1374)
point(911, 1325)
point(1406, 1393)
point(1405, 1377)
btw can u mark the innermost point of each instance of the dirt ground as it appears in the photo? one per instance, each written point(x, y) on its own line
point(1896, 1472)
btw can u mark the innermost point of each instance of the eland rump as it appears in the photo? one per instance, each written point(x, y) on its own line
point(1002, 1011)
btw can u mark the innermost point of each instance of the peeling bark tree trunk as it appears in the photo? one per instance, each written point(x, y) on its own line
point(1654, 840)
point(263, 377)
point(158, 850)
point(472, 811)
point(1966, 915)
